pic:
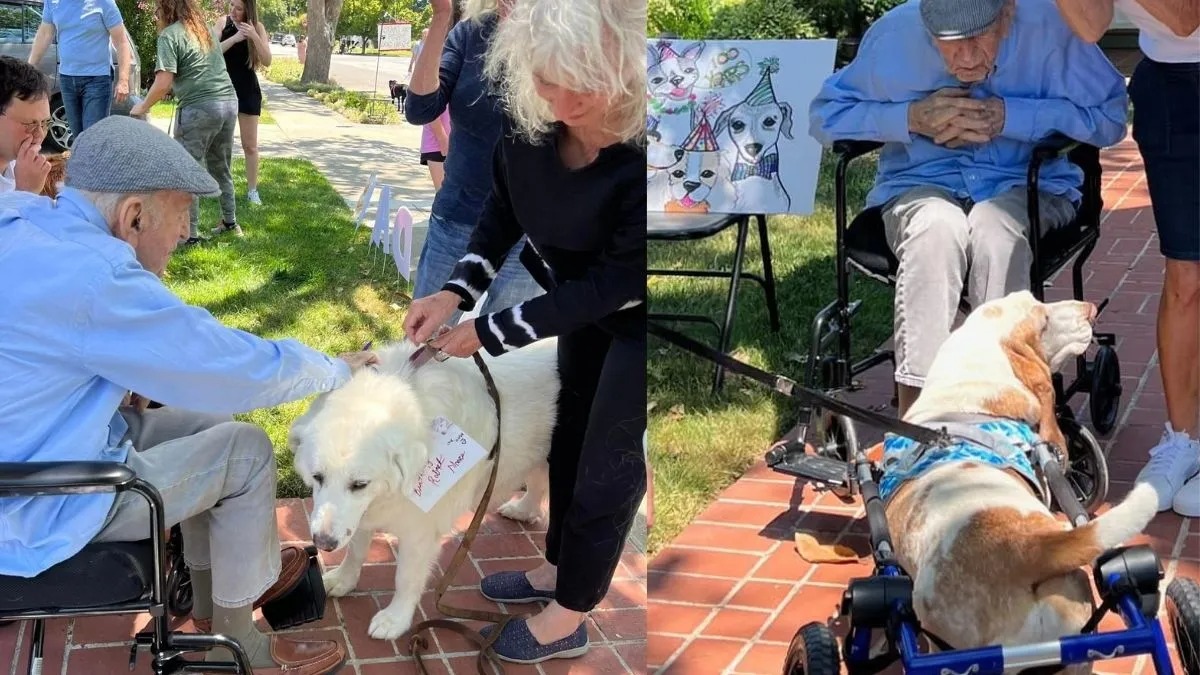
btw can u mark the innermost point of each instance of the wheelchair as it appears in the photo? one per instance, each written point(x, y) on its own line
point(105, 578)
point(862, 245)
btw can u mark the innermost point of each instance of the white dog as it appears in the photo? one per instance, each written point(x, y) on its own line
point(360, 448)
point(990, 563)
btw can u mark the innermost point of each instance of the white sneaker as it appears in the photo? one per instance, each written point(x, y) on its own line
point(1172, 462)
point(1187, 500)
point(253, 197)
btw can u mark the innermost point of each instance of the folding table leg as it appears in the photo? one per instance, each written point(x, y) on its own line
point(735, 279)
point(768, 272)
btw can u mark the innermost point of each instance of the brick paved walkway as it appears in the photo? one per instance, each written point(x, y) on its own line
point(100, 646)
point(730, 592)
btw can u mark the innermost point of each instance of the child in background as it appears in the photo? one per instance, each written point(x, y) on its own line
point(435, 143)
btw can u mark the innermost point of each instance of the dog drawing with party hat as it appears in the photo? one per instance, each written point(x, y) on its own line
point(754, 127)
point(695, 182)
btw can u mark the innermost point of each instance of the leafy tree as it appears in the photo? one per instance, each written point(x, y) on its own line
point(272, 14)
point(323, 18)
point(139, 21)
point(689, 19)
point(763, 20)
point(361, 18)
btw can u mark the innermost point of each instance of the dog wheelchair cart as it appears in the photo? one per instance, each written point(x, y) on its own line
point(862, 244)
point(1127, 578)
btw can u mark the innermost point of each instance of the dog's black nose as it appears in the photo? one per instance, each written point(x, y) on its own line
point(325, 542)
point(678, 154)
point(753, 148)
point(691, 185)
point(676, 80)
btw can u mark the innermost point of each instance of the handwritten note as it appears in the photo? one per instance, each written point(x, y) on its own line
point(452, 453)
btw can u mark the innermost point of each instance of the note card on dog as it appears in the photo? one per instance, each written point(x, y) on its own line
point(727, 122)
point(452, 453)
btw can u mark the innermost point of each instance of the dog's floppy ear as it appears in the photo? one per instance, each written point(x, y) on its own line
point(408, 460)
point(1023, 347)
point(785, 127)
point(722, 121)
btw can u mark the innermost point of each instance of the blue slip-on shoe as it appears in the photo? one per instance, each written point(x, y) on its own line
point(517, 645)
point(512, 588)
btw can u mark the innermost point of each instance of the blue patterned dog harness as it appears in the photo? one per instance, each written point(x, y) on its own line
point(905, 459)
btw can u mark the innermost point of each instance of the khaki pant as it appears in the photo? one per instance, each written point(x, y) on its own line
point(945, 245)
point(217, 480)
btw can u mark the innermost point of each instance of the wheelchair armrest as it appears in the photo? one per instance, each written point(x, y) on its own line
point(43, 478)
point(1054, 146)
point(852, 149)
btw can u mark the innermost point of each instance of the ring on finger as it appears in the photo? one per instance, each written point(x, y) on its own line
point(439, 355)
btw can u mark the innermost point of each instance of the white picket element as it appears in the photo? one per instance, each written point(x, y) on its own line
point(364, 201)
point(381, 233)
point(402, 232)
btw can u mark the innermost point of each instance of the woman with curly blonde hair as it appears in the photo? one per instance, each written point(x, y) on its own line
point(191, 65)
point(568, 174)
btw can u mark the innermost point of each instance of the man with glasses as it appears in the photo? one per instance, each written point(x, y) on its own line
point(24, 120)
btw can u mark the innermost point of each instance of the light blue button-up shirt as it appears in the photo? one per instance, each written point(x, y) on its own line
point(81, 322)
point(83, 29)
point(1050, 81)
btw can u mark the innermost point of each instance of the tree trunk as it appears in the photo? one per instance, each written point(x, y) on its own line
point(322, 21)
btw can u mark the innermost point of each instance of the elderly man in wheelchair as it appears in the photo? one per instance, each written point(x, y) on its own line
point(960, 93)
point(85, 482)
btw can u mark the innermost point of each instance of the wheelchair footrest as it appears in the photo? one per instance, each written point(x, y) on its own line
point(823, 472)
point(304, 604)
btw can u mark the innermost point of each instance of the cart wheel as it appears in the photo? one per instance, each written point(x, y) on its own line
point(179, 590)
point(1183, 609)
point(814, 651)
point(1086, 469)
point(1104, 396)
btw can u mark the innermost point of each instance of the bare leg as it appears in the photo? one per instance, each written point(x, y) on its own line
point(907, 396)
point(1179, 344)
point(437, 173)
point(248, 125)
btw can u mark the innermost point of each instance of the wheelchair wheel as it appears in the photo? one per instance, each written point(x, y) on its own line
point(813, 651)
point(1183, 610)
point(179, 590)
point(1104, 395)
point(1086, 468)
point(836, 436)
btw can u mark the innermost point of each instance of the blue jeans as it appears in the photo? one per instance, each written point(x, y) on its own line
point(87, 98)
point(446, 244)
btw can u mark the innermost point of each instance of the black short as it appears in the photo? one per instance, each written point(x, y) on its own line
point(427, 157)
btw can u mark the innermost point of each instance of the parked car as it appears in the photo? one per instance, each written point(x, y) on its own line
point(19, 21)
point(289, 40)
point(276, 38)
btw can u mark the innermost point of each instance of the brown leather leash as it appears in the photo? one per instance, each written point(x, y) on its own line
point(417, 643)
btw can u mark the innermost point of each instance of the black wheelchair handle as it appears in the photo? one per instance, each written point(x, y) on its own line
point(19, 479)
point(849, 149)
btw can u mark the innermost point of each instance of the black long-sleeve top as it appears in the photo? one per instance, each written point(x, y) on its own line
point(586, 244)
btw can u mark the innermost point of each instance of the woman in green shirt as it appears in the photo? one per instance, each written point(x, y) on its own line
point(190, 63)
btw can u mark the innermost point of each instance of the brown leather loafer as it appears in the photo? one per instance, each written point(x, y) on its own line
point(294, 564)
point(308, 657)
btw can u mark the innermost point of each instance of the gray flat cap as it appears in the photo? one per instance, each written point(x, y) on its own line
point(958, 19)
point(123, 155)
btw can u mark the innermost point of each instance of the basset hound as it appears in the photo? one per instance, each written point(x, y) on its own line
point(991, 565)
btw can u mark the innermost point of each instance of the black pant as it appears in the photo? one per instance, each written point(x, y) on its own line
point(597, 462)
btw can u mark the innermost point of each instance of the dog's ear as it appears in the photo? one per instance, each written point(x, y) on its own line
point(785, 127)
point(1023, 347)
point(693, 52)
point(722, 121)
point(652, 56)
point(408, 460)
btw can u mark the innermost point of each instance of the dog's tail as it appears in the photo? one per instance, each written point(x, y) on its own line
point(1058, 552)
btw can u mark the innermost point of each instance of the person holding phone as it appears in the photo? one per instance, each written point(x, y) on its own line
point(246, 47)
point(1165, 91)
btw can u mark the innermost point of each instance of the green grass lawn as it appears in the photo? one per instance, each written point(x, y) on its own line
point(699, 443)
point(164, 110)
point(300, 272)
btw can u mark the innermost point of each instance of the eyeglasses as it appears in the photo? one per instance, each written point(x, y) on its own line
point(33, 127)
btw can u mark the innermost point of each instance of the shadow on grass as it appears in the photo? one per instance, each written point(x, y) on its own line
point(701, 443)
point(302, 271)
